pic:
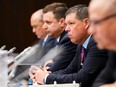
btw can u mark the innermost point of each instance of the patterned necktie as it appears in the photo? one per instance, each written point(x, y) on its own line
point(82, 55)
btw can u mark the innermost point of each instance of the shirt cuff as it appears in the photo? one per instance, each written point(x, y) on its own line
point(45, 78)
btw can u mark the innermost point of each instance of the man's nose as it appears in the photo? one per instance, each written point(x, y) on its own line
point(44, 26)
point(91, 30)
point(33, 30)
point(67, 29)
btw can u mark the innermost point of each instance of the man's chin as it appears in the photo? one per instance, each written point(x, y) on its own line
point(100, 46)
point(111, 47)
point(74, 42)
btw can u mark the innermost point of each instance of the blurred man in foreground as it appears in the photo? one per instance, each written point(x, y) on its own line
point(103, 26)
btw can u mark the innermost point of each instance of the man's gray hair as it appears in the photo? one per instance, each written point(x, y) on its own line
point(39, 14)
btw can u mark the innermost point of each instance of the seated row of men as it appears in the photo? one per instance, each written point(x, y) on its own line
point(81, 60)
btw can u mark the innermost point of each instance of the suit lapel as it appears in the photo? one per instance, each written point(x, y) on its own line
point(62, 36)
point(41, 42)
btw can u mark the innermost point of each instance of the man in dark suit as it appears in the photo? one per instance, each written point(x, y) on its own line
point(36, 22)
point(107, 77)
point(45, 41)
point(84, 68)
point(53, 17)
point(54, 24)
point(103, 27)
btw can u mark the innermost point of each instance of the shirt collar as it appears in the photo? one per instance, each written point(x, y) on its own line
point(46, 38)
point(58, 39)
point(86, 42)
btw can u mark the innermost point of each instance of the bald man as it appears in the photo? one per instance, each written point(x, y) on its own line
point(36, 21)
point(103, 26)
point(45, 41)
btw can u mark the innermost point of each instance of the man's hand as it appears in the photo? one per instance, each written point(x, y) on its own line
point(109, 85)
point(32, 72)
point(40, 75)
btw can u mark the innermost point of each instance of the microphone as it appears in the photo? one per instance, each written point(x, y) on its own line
point(12, 73)
point(31, 56)
point(6, 52)
point(22, 53)
point(54, 51)
point(4, 65)
point(50, 55)
point(3, 47)
point(11, 50)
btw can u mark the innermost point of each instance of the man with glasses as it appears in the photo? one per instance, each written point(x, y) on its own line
point(103, 23)
point(103, 26)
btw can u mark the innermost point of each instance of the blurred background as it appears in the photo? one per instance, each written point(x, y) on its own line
point(15, 29)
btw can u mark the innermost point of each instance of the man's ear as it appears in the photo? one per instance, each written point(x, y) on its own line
point(86, 23)
point(62, 22)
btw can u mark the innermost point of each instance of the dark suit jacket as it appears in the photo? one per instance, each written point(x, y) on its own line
point(94, 62)
point(69, 50)
point(50, 43)
point(108, 75)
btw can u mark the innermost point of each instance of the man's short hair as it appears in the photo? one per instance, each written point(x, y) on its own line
point(80, 10)
point(58, 9)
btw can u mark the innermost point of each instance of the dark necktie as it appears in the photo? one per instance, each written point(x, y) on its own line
point(82, 55)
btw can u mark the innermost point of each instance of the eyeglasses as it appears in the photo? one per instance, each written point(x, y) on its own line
point(95, 22)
